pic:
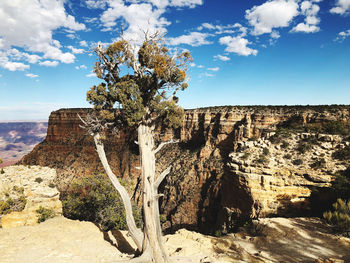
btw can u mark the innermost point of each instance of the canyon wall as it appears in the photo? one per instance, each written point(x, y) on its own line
point(210, 186)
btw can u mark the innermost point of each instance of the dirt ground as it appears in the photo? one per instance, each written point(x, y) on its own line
point(61, 240)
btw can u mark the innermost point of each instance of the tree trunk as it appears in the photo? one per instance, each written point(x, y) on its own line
point(152, 242)
point(135, 232)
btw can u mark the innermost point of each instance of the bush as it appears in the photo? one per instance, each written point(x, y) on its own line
point(2, 171)
point(340, 218)
point(297, 162)
point(266, 151)
point(38, 180)
point(93, 198)
point(262, 159)
point(11, 205)
point(288, 156)
point(45, 213)
point(320, 163)
point(304, 147)
point(342, 154)
point(245, 156)
point(284, 145)
point(52, 185)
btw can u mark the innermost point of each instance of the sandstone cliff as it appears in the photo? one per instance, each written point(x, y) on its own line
point(209, 187)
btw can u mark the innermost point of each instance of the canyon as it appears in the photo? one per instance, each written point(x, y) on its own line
point(18, 138)
point(213, 185)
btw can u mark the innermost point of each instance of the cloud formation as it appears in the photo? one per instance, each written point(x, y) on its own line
point(194, 39)
point(272, 14)
point(237, 45)
point(34, 24)
point(310, 11)
point(222, 58)
point(342, 7)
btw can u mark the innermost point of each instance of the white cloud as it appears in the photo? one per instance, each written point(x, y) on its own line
point(222, 58)
point(71, 36)
point(342, 7)
point(30, 75)
point(343, 35)
point(14, 66)
point(48, 63)
point(139, 16)
point(83, 43)
point(193, 64)
point(29, 24)
point(90, 75)
point(272, 14)
point(208, 74)
point(214, 69)
point(200, 66)
point(310, 11)
point(76, 50)
point(81, 67)
point(237, 45)
point(306, 28)
point(193, 39)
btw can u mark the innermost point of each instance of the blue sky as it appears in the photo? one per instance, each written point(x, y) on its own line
point(276, 52)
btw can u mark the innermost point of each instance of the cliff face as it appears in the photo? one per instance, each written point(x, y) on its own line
point(209, 187)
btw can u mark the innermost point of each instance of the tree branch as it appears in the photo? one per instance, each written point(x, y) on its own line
point(161, 177)
point(162, 144)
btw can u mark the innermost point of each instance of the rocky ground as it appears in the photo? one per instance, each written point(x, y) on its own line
point(282, 240)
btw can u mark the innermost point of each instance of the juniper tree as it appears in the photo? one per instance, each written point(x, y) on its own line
point(138, 90)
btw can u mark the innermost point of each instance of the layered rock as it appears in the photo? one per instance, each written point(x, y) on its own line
point(34, 186)
point(203, 190)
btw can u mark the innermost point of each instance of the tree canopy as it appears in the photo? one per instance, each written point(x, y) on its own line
point(142, 84)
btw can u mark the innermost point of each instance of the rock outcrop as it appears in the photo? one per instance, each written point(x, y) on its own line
point(208, 187)
point(34, 187)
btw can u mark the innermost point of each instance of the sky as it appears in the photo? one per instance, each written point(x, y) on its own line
point(246, 52)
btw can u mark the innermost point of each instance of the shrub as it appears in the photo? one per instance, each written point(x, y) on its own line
point(297, 161)
point(288, 156)
point(93, 198)
point(45, 213)
point(2, 171)
point(262, 159)
point(304, 147)
point(320, 163)
point(52, 185)
point(11, 205)
point(284, 145)
point(245, 156)
point(340, 218)
point(266, 151)
point(38, 180)
point(342, 154)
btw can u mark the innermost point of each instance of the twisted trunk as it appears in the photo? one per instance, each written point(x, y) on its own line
point(152, 233)
point(135, 232)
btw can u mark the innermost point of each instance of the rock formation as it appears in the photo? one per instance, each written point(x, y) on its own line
point(210, 187)
point(34, 187)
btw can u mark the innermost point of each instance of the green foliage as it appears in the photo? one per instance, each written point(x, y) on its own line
point(45, 213)
point(2, 171)
point(284, 145)
point(319, 163)
point(297, 162)
point(146, 90)
point(38, 180)
point(280, 135)
point(10, 205)
point(304, 147)
point(288, 156)
point(340, 217)
point(342, 154)
point(266, 151)
point(262, 159)
point(245, 156)
point(52, 185)
point(94, 199)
